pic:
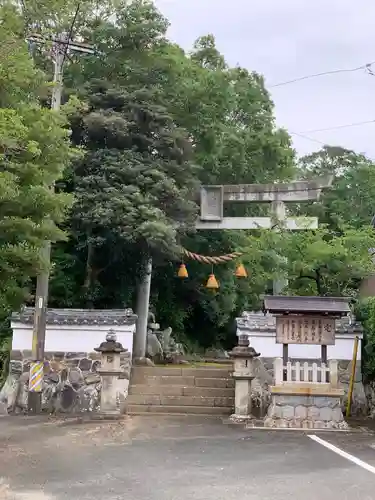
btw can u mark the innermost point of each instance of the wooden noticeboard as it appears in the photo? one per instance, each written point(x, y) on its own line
point(318, 330)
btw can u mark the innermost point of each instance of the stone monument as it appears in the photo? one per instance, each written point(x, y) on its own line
point(161, 346)
point(306, 395)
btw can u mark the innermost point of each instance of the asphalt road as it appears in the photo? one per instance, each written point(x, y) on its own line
point(184, 459)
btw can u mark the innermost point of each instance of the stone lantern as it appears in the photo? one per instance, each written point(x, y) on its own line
point(109, 371)
point(243, 356)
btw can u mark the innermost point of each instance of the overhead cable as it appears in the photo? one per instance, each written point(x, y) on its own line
point(367, 67)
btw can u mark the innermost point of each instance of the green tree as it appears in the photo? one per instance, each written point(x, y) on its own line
point(325, 263)
point(236, 141)
point(135, 185)
point(225, 116)
point(338, 256)
point(51, 17)
point(34, 151)
point(350, 199)
point(365, 313)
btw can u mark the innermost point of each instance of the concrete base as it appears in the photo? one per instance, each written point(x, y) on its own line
point(240, 419)
point(306, 409)
point(107, 416)
point(143, 362)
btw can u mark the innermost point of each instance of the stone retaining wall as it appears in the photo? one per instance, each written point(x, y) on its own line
point(307, 412)
point(264, 378)
point(71, 382)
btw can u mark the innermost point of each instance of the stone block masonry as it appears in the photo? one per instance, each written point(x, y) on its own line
point(71, 383)
point(264, 378)
point(305, 411)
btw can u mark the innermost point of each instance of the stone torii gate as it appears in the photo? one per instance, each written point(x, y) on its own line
point(213, 199)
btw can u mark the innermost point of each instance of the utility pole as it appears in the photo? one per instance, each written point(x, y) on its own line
point(62, 44)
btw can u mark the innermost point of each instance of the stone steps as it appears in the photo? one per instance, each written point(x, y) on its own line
point(183, 381)
point(177, 371)
point(181, 391)
point(141, 399)
point(133, 409)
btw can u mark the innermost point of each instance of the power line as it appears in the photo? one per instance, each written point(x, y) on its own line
point(337, 127)
point(307, 138)
point(303, 136)
point(366, 67)
point(70, 34)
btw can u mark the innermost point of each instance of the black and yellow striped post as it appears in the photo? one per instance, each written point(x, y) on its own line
point(36, 377)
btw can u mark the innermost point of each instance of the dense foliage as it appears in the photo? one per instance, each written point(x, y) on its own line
point(34, 152)
point(152, 123)
point(365, 312)
point(162, 122)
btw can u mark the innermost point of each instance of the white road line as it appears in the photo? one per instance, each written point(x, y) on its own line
point(343, 454)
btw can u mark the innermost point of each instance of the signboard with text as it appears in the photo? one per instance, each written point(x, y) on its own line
point(318, 330)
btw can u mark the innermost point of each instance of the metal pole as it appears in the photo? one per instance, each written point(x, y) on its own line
point(142, 309)
point(41, 294)
point(352, 377)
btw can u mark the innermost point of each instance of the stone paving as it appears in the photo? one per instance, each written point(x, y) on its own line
point(165, 458)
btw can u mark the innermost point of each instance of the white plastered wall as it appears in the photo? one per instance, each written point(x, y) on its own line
point(265, 343)
point(71, 338)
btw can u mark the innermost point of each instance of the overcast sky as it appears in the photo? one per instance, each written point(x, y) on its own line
point(286, 39)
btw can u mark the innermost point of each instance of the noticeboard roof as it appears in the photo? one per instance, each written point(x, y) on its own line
point(336, 306)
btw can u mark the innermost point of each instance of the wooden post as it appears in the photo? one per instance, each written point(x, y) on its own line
point(285, 358)
point(324, 354)
point(324, 360)
point(352, 376)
